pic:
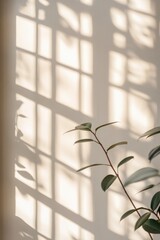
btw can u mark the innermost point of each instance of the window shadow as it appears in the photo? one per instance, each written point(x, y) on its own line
point(80, 61)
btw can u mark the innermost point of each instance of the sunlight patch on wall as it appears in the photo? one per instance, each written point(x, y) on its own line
point(86, 57)
point(27, 124)
point(23, 39)
point(118, 106)
point(67, 87)
point(44, 176)
point(119, 19)
point(146, 6)
point(117, 68)
point(67, 50)
point(68, 17)
point(71, 230)
point(25, 171)
point(85, 151)
point(39, 237)
point(86, 95)
point(86, 201)
point(87, 2)
point(44, 125)
point(86, 27)
point(44, 2)
point(44, 78)
point(28, 8)
point(142, 28)
point(86, 235)
point(66, 188)
point(44, 220)
point(25, 207)
point(41, 14)
point(25, 70)
point(115, 205)
point(44, 41)
point(135, 164)
point(119, 40)
point(124, 2)
point(141, 72)
point(140, 112)
point(70, 153)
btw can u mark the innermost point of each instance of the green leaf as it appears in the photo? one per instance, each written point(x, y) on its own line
point(155, 201)
point(146, 188)
point(104, 125)
point(107, 181)
point(154, 152)
point(71, 130)
point(141, 174)
point(142, 220)
point(158, 211)
point(84, 140)
point(151, 132)
point(116, 144)
point(126, 214)
point(152, 226)
point(124, 161)
point(84, 126)
point(92, 165)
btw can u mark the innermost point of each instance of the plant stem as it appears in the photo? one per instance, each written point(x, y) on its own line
point(117, 175)
point(151, 211)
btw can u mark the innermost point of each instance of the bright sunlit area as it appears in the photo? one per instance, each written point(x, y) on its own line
point(77, 62)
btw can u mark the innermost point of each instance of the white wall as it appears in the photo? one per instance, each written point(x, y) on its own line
point(70, 62)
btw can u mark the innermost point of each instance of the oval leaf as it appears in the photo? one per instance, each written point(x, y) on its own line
point(124, 161)
point(84, 126)
point(141, 174)
point(104, 125)
point(116, 144)
point(107, 181)
point(152, 226)
point(142, 220)
point(155, 201)
point(158, 211)
point(92, 165)
point(84, 140)
point(151, 132)
point(154, 152)
point(126, 214)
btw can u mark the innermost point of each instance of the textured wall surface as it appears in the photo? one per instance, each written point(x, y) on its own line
point(69, 62)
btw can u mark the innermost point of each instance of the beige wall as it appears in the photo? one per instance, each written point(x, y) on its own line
point(1, 141)
point(7, 93)
point(68, 62)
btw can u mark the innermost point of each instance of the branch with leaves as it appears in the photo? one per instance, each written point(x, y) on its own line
point(149, 220)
